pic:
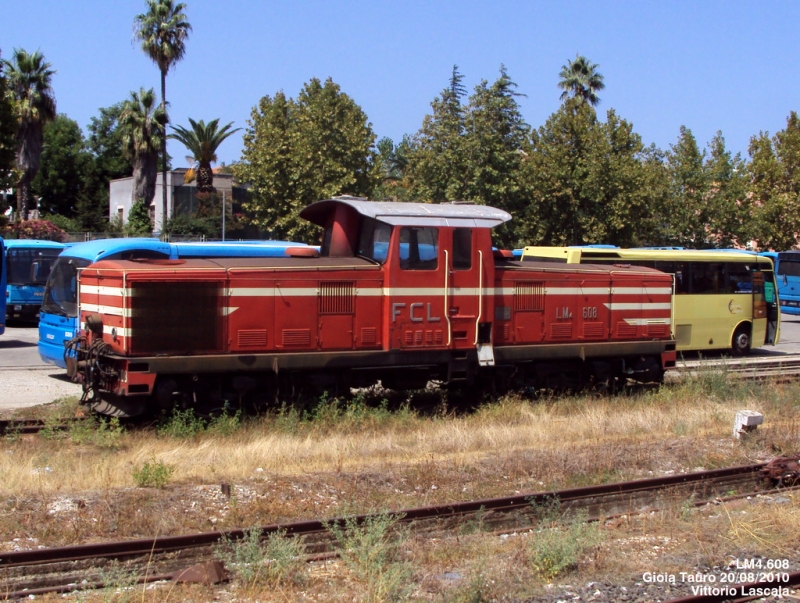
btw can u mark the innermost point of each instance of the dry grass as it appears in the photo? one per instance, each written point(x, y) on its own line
point(341, 459)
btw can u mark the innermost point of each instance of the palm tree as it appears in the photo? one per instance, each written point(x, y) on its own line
point(29, 80)
point(163, 31)
point(140, 122)
point(580, 79)
point(203, 141)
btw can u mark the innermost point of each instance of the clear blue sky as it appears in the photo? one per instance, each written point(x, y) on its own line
point(708, 65)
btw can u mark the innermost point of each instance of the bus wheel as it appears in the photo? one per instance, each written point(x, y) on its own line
point(741, 340)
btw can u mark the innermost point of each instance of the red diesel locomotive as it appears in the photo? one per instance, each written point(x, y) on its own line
point(401, 293)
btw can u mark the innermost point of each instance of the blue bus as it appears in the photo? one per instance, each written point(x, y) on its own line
point(787, 273)
point(58, 319)
point(2, 290)
point(27, 266)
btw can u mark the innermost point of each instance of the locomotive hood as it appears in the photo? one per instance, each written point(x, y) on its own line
point(409, 214)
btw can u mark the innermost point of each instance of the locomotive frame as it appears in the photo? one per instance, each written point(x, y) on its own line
point(401, 293)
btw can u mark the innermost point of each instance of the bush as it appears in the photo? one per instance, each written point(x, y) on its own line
point(372, 553)
point(35, 229)
point(153, 474)
point(182, 424)
point(560, 544)
point(276, 560)
point(139, 223)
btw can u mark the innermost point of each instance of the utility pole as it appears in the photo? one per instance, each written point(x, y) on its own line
point(224, 203)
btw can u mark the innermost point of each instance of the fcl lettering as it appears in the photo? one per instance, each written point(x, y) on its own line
point(414, 311)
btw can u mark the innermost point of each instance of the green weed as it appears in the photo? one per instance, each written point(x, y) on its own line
point(275, 560)
point(153, 474)
point(103, 433)
point(559, 546)
point(372, 553)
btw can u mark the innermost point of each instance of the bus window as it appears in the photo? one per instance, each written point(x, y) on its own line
point(739, 278)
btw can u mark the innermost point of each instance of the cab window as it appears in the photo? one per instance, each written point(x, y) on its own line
point(374, 240)
point(419, 248)
point(462, 248)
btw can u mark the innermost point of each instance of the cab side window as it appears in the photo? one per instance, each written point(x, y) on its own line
point(419, 248)
point(462, 248)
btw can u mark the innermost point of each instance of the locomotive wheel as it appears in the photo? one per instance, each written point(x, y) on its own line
point(740, 344)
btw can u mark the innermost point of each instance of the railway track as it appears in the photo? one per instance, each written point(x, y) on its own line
point(65, 569)
point(752, 367)
point(30, 426)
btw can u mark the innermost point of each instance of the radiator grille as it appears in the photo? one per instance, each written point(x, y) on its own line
point(626, 330)
point(561, 331)
point(337, 298)
point(252, 338)
point(656, 329)
point(593, 330)
point(369, 336)
point(296, 337)
point(175, 317)
point(528, 297)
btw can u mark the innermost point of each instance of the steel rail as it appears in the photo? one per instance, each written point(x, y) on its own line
point(164, 544)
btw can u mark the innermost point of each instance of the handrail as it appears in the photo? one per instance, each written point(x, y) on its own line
point(480, 295)
point(446, 304)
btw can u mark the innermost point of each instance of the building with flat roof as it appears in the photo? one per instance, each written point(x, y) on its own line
point(180, 196)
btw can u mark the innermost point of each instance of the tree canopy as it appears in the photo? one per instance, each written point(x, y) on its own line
point(299, 151)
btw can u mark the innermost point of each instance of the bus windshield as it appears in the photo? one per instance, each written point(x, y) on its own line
point(60, 294)
point(20, 260)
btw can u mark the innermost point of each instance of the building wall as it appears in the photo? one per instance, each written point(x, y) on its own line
point(120, 191)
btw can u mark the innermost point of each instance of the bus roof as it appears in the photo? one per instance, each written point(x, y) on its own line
point(228, 249)
point(100, 248)
point(697, 255)
point(103, 248)
point(9, 243)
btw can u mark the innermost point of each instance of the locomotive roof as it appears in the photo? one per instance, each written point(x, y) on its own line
point(410, 214)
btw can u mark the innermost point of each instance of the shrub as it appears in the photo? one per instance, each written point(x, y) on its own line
point(182, 424)
point(277, 559)
point(35, 229)
point(559, 545)
point(153, 474)
point(372, 553)
point(103, 433)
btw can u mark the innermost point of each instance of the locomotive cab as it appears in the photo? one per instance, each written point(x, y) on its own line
point(436, 268)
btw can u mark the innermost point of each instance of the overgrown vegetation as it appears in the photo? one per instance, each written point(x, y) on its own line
point(560, 543)
point(344, 457)
point(372, 551)
point(153, 474)
point(276, 560)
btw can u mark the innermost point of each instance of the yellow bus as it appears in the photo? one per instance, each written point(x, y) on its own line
point(721, 299)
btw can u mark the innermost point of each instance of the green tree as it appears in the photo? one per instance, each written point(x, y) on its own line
point(391, 165)
point(140, 124)
point(139, 223)
point(65, 168)
point(495, 144)
point(726, 176)
point(203, 141)
point(106, 145)
point(587, 182)
point(163, 31)
point(297, 152)
point(435, 158)
point(774, 199)
point(8, 130)
point(688, 210)
point(580, 79)
point(29, 78)
point(267, 163)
